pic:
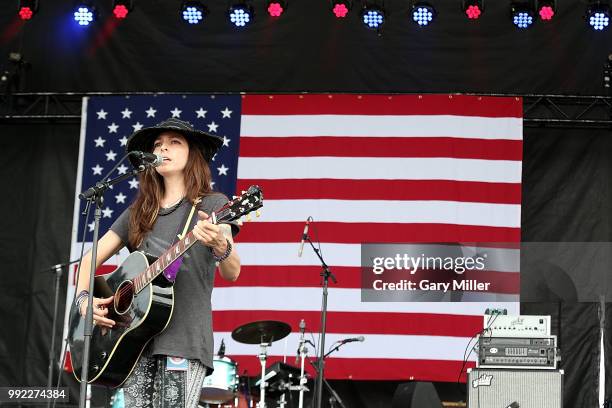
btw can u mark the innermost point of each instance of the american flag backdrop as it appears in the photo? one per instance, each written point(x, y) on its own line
point(371, 168)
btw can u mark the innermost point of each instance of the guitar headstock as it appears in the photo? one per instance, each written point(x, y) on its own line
point(250, 200)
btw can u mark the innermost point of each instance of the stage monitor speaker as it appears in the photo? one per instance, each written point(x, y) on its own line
point(490, 388)
point(416, 395)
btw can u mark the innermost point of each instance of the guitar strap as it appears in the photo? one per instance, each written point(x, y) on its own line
point(191, 212)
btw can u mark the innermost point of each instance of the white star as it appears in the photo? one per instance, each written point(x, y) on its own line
point(212, 127)
point(99, 141)
point(133, 183)
point(137, 126)
point(122, 169)
point(112, 128)
point(111, 156)
point(176, 113)
point(226, 141)
point(226, 113)
point(212, 184)
point(214, 157)
point(123, 141)
point(201, 113)
point(150, 112)
point(107, 212)
point(97, 170)
point(102, 114)
point(91, 226)
point(120, 198)
point(222, 170)
point(126, 113)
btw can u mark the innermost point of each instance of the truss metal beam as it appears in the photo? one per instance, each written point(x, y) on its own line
point(559, 111)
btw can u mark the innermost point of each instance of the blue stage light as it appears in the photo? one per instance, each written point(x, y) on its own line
point(241, 15)
point(84, 14)
point(193, 12)
point(373, 17)
point(522, 18)
point(598, 17)
point(423, 13)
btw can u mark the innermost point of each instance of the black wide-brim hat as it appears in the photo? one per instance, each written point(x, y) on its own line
point(143, 139)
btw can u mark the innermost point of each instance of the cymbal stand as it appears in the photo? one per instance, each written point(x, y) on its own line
point(303, 380)
point(263, 355)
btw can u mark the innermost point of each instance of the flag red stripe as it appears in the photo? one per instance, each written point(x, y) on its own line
point(444, 190)
point(351, 277)
point(421, 324)
point(381, 147)
point(355, 233)
point(368, 368)
point(462, 105)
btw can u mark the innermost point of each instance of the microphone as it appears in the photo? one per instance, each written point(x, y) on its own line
point(302, 329)
point(304, 236)
point(148, 158)
point(352, 339)
point(221, 351)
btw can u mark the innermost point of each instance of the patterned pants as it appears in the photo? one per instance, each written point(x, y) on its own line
point(152, 386)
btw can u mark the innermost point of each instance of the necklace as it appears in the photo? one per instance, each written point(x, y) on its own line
point(174, 203)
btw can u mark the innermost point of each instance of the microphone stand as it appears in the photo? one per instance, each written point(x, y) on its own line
point(326, 274)
point(333, 392)
point(57, 271)
point(95, 195)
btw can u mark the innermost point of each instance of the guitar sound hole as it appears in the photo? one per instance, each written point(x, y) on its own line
point(124, 297)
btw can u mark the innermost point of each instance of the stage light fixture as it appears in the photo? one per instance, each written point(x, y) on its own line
point(241, 15)
point(547, 9)
point(472, 8)
point(121, 8)
point(523, 13)
point(598, 16)
point(84, 13)
point(193, 12)
point(276, 7)
point(423, 13)
point(341, 8)
point(27, 9)
point(373, 17)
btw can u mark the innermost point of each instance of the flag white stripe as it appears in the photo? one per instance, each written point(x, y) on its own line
point(374, 346)
point(385, 168)
point(394, 212)
point(340, 300)
point(285, 254)
point(382, 126)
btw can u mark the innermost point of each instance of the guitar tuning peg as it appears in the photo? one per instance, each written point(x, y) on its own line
point(234, 197)
point(248, 217)
point(258, 213)
point(243, 191)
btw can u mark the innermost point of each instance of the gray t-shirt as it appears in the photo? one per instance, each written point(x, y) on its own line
point(189, 333)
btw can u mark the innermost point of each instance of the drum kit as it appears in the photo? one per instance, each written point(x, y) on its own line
point(224, 388)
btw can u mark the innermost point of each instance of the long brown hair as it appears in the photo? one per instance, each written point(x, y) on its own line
point(144, 210)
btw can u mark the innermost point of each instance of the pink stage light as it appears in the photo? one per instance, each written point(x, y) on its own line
point(275, 9)
point(340, 10)
point(546, 13)
point(473, 12)
point(25, 13)
point(120, 11)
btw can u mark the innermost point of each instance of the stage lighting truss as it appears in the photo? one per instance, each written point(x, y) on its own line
point(547, 9)
point(240, 15)
point(341, 8)
point(121, 8)
point(598, 15)
point(523, 13)
point(276, 7)
point(423, 13)
point(472, 8)
point(27, 9)
point(85, 13)
point(607, 75)
point(193, 12)
point(373, 17)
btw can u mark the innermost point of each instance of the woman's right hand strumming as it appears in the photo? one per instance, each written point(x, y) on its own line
point(100, 310)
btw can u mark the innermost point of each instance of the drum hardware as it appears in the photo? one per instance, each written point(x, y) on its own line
point(264, 333)
point(221, 385)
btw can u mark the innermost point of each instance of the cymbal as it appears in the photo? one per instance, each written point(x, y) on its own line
point(263, 331)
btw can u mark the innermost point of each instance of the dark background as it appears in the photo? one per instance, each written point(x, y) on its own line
point(566, 172)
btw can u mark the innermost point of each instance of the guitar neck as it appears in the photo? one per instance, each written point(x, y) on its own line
point(164, 261)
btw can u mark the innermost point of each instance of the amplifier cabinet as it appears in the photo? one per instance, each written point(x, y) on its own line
point(494, 388)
